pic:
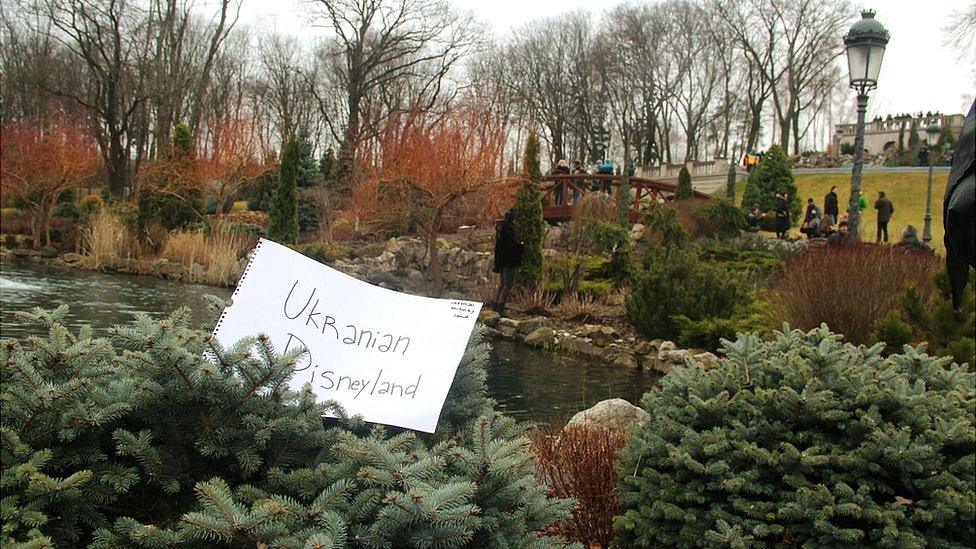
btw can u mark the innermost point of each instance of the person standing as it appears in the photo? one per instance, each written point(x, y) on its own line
point(782, 215)
point(885, 209)
point(508, 258)
point(578, 183)
point(605, 169)
point(562, 168)
point(831, 209)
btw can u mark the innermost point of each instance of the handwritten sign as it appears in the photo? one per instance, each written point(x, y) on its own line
point(388, 356)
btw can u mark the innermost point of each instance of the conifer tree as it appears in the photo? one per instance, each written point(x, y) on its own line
point(770, 177)
point(684, 190)
point(144, 441)
point(283, 217)
point(529, 223)
point(308, 174)
point(804, 441)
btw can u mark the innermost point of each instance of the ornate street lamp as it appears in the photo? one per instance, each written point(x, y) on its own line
point(865, 43)
point(932, 131)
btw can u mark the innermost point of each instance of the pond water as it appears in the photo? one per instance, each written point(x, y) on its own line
point(527, 383)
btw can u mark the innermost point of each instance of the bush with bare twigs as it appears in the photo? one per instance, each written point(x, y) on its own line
point(849, 287)
point(579, 462)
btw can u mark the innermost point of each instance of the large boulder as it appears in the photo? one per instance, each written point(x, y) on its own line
point(489, 317)
point(599, 335)
point(614, 413)
point(543, 336)
point(529, 325)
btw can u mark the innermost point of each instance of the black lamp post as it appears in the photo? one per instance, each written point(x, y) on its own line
point(865, 43)
point(932, 131)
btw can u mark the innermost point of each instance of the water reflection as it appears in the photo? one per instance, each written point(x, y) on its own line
point(527, 383)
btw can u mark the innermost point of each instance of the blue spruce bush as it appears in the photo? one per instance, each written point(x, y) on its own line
point(805, 441)
point(141, 441)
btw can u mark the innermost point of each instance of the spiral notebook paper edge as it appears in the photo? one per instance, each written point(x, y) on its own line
point(240, 284)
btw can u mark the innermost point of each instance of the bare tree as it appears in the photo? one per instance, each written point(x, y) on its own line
point(378, 42)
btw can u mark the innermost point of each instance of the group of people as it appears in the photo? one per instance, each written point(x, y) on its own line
point(829, 223)
point(602, 168)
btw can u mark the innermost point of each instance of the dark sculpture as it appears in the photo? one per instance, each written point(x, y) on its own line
point(959, 209)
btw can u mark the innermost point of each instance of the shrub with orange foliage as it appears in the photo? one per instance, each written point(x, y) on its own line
point(228, 158)
point(432, 170)
point(40, 160)
point(232, 159)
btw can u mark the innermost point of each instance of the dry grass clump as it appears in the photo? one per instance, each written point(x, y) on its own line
point(579, 462)
point(534, 301)
point(582, 308)
point(218, 253)
point(106, 238)
point(596, 206)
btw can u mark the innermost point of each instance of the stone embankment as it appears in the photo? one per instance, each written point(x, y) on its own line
point(601, 343)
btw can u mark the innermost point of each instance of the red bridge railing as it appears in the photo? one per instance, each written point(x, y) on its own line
point(561, 193)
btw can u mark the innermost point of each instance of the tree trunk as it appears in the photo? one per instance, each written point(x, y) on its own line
point(116, 167)
point(35, 231)
point(434, 259)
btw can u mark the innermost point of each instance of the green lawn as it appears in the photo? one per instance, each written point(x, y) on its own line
point(906, 191)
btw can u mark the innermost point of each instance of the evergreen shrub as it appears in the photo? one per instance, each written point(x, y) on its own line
point(719, 219)
point(804, 441)
point(530, 227)
point(675, 283)
point(142, 441)
point(770, 177)
point(283, 216)
point(683, 190)
point(931, 318)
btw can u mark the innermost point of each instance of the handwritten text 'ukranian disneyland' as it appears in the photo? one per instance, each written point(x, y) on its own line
point(328, 326)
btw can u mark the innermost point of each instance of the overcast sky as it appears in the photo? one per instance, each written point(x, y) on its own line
point(919, 71)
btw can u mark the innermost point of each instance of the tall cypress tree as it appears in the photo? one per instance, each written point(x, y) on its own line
point(684, 189)
point(283, 222)
point(529, 223)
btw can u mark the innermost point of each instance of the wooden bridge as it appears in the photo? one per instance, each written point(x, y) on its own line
point(560, 193)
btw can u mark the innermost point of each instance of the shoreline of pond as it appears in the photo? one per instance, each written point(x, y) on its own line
point(597, 342)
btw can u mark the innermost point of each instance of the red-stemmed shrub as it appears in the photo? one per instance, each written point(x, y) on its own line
point(848, 287)
point(579, 463)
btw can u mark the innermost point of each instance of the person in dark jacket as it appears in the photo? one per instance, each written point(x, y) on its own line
point(885, 209)
point(605, 169)
point(562, 168)
point(959, 209)
point(754, 219)
point(782, 215)
point(831, 208)
point(910, 242)
point(508, 257)
point(841, 236)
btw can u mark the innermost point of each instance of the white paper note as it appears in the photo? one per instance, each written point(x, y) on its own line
point(388, 356)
